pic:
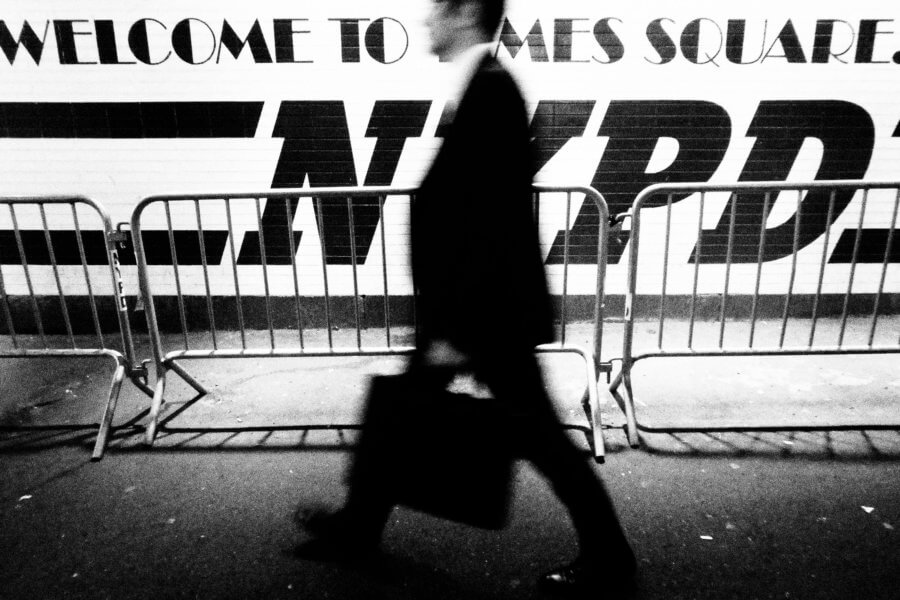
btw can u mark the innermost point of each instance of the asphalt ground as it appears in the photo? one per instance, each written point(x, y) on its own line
point(206, 513)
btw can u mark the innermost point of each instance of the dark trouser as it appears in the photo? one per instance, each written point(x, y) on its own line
point(537, 436)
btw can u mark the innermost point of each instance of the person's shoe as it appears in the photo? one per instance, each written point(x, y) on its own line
point(319, 520)
point(326, 549)
point(335, 536)
point(584, 578)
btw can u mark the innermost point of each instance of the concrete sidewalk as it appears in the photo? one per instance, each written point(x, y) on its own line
point(206, 512)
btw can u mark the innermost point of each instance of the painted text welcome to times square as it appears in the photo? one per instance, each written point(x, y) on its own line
point(387, 40)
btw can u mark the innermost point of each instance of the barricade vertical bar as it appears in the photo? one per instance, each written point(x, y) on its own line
point(265, 272)
point(353, 264)
point(760, 255)
point(38, 319)
point(729, 257)
point(697, 250)
point(321, 227)
point(173, 251)
point(87, 277)
point(293, 250)
point(853, 261)
point(209, 304)
point(384, 273)
point(599, 294)
point(884, 268)
point(565, 290)
point(55, 267)
point(234, 271)
point(815, 308)
point(624, 375)
point(6, 312)
point(665, 274)
point(795, 248)
point(415, 314)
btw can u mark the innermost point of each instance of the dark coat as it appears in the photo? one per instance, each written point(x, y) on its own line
point(477, 265)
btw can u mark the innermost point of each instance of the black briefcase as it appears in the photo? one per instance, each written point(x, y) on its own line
point(442, 453)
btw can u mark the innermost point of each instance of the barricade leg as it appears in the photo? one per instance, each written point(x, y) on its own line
point(159, 395)
point(123, 369)
point(630, 418)
point(106, 423)
point(155, 406)
point(626, 404)
point(188, 378)
point(592, 402)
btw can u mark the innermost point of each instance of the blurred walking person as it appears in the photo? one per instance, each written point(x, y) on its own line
point(483, 305)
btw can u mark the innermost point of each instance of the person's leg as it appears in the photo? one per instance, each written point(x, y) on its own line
point(356, 527)
point(539, 437)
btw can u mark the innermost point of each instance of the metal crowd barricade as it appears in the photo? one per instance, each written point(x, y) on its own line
point(744, 243)
point(58, 258)
point(351, 292)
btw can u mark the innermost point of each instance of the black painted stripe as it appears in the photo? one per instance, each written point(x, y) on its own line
point(65, 247)
point(872, 246)
point(118, 120)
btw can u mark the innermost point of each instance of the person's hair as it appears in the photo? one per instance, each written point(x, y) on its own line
point(491, 13)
